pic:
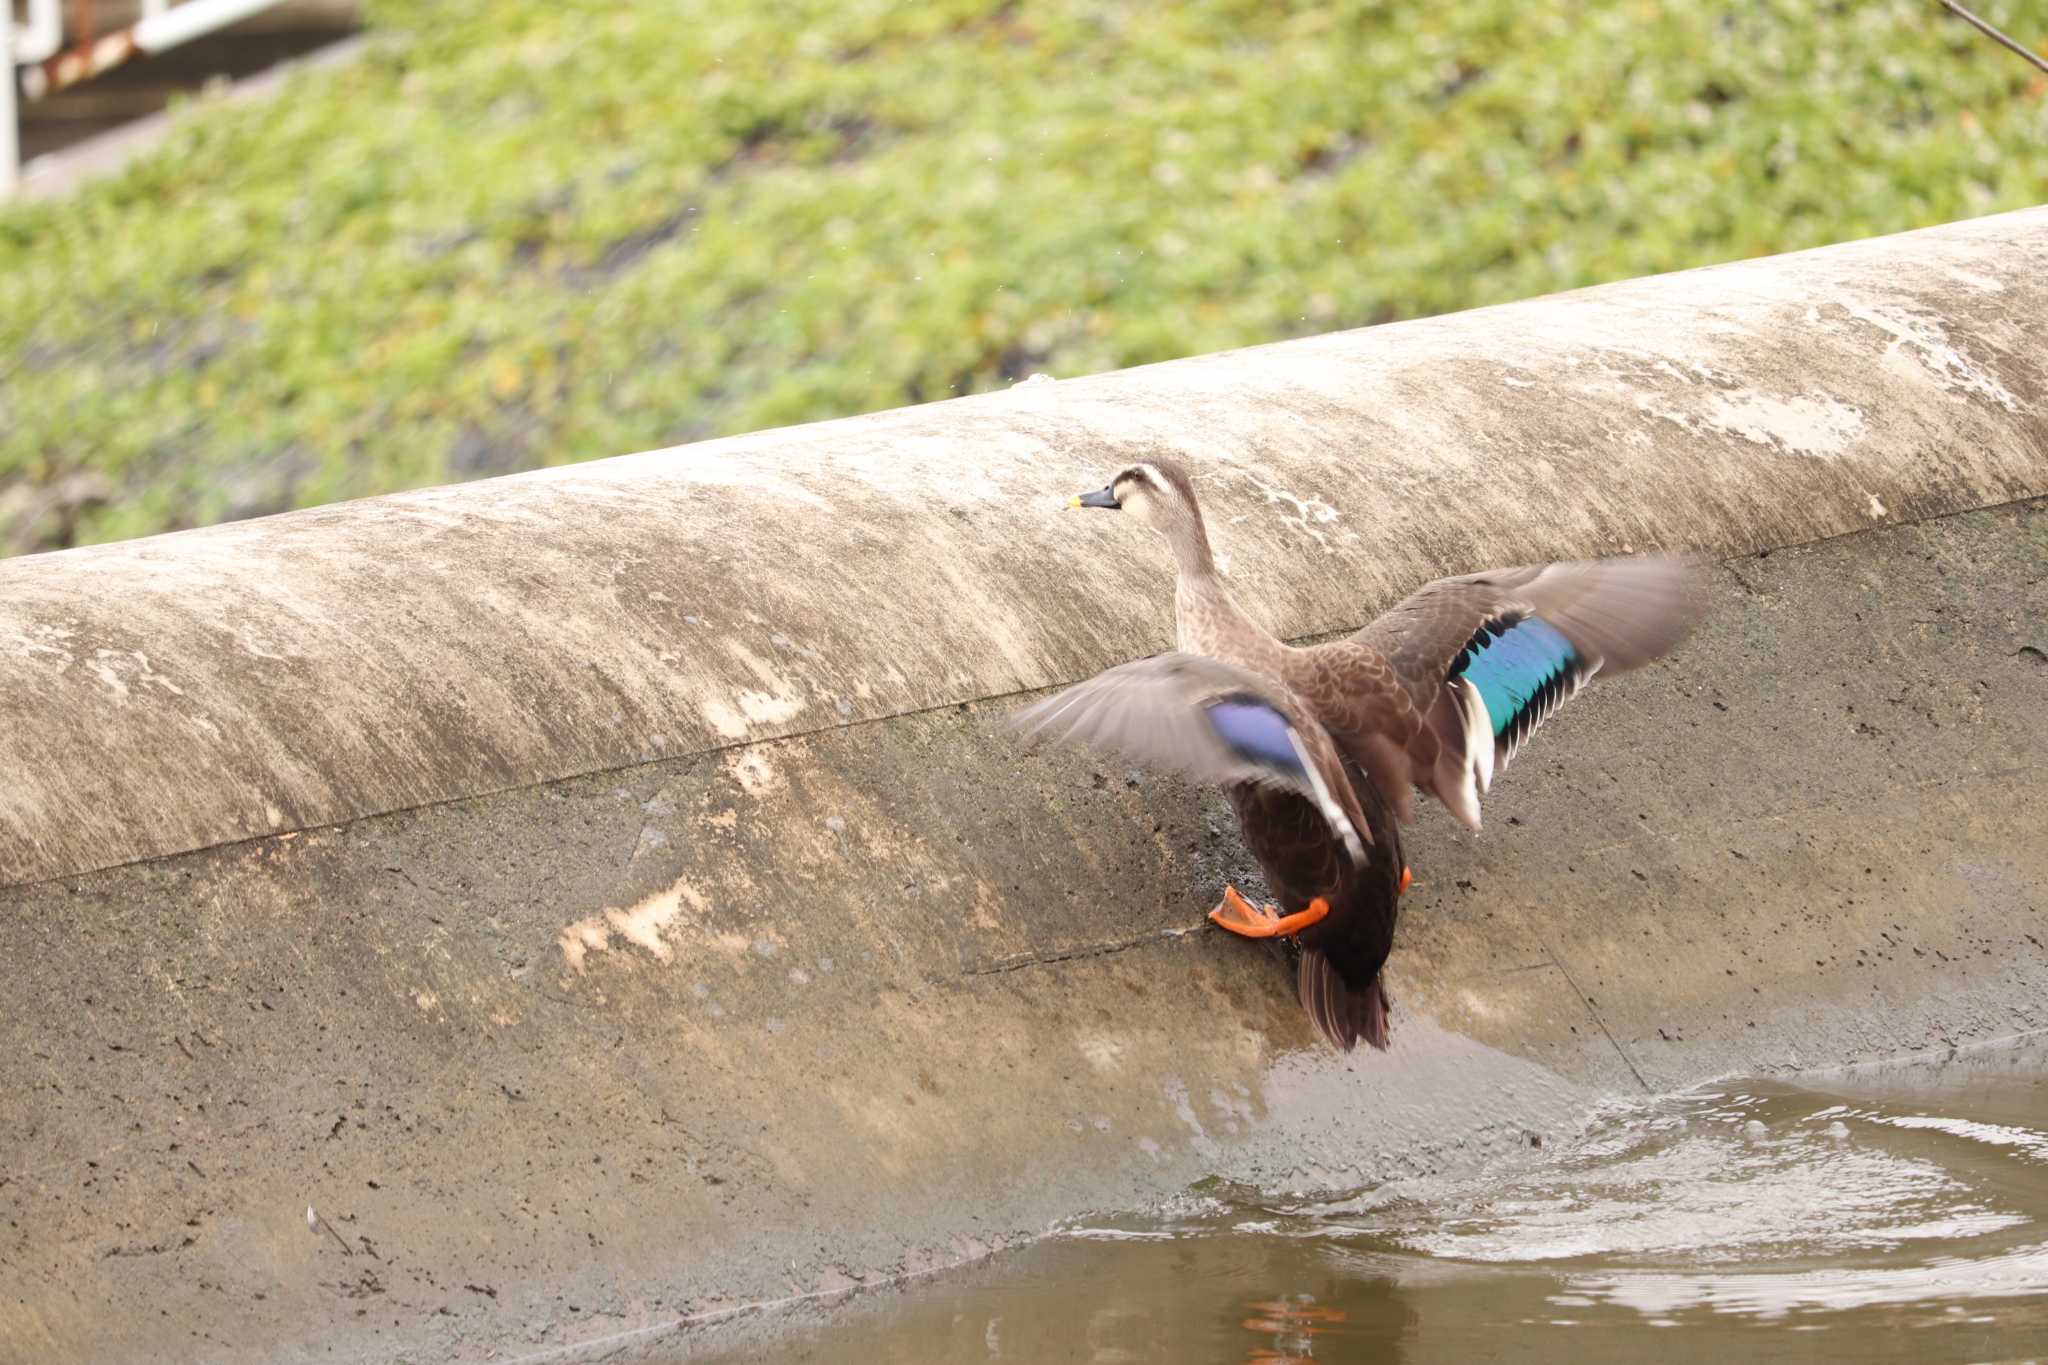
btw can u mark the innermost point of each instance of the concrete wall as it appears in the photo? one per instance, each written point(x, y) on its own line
point(607, 897)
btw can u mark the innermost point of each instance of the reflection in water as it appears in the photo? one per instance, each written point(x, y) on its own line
point(1293, 1323)
point(1281, 1306)
point(1892, 1215)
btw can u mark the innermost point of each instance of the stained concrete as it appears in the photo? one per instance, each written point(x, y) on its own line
point(582, 1066)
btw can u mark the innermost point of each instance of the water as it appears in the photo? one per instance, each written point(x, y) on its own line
point(1899, 1214)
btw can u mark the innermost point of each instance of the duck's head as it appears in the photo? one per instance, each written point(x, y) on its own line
point(1156, 492)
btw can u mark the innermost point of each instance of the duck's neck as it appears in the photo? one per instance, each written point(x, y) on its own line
point(1207, 620)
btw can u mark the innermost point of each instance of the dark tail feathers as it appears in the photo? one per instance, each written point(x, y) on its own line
point(1341, 1014)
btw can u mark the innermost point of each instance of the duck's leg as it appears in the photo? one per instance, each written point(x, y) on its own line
point(1240, 916)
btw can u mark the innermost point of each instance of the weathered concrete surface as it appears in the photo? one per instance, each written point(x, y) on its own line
point(899, 994)
point(309, 669)
point(777, 1016)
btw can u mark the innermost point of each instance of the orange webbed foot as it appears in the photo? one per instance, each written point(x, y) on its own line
point(1407, 880)
point(1240, 916)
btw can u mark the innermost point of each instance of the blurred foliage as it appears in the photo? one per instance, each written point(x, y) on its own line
point(530, 231)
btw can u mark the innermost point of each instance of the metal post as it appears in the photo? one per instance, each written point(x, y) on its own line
point(10, 131)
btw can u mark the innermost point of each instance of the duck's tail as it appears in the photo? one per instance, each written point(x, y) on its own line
point(1343, 1015)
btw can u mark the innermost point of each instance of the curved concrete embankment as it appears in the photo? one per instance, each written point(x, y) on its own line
point(604, 894)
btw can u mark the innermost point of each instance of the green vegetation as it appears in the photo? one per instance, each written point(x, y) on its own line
point(531, 231)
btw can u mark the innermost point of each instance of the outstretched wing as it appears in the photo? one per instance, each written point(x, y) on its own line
point(1488, 657)
point(1210, 720)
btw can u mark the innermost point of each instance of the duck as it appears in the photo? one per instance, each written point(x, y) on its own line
point(1322, 748)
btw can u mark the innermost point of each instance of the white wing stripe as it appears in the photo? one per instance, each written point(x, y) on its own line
point(1340, 823)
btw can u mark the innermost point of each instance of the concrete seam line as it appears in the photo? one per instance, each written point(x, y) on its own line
point(1594, 1011)
point(1019, 961)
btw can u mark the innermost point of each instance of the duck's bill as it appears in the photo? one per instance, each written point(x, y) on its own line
point(1101, 497)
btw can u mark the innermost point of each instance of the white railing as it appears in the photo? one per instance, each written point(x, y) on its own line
point(38, 48)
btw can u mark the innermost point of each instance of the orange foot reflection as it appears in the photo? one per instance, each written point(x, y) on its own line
point(1295, 1322)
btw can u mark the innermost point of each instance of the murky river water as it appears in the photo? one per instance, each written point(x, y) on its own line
point(1892, 1215)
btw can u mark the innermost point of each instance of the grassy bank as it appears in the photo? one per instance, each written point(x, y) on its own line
point(533, 231)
